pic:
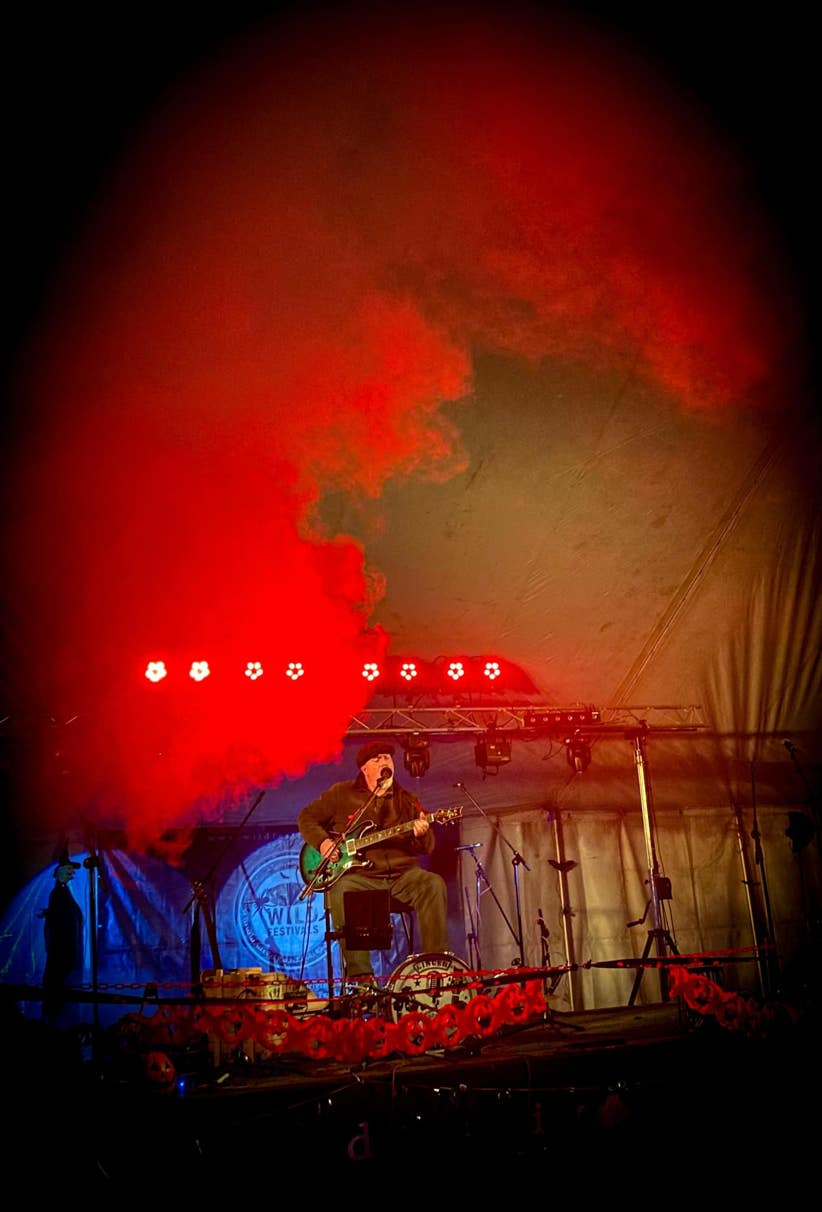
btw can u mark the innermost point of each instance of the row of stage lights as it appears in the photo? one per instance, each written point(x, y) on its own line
point(492, 752)
point(394, 672)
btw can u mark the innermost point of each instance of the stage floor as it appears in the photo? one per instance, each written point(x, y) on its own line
point(628, 1094)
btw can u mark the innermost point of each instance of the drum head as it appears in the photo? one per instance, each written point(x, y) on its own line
point(427, 982)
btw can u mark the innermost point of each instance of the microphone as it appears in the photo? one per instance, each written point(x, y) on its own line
point(462, 785)
point(789, 745)
point(472, 846)
point(385, 773)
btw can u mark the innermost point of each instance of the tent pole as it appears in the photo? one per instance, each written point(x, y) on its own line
point(659, 888)
point(747, 882)
point(567, 912)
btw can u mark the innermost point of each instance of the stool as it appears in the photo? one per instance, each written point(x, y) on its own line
point(368, 925)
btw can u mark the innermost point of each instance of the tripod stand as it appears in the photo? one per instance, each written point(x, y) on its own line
point(659, 936)
point(659, 886)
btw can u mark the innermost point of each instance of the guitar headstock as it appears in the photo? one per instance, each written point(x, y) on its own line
point(447, 816)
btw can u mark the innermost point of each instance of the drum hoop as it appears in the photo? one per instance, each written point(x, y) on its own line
point(427, 962)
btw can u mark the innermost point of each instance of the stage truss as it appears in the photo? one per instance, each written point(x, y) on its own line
point(526, 722)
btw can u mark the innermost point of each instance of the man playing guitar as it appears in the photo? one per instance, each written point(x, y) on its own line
point(374, 804)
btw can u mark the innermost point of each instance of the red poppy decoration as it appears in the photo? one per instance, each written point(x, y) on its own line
point(479, 1015)
point(446, 1026)
point(271, 1028)
point(382, 1037)
point(414, 1032)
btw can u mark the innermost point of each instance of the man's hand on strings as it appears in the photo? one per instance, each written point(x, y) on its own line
point(329, 850)
point(421, 825)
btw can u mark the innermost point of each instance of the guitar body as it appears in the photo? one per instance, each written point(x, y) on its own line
point(313, 867)
point(310, 860)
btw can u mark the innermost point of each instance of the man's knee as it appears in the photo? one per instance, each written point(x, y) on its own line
point(439, 885)
point(434, 889)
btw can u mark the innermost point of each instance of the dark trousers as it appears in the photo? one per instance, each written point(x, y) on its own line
point(423, 891)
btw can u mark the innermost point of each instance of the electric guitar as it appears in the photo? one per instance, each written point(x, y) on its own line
point(350, 850)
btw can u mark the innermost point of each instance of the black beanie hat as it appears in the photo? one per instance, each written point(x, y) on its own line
point(374, 749)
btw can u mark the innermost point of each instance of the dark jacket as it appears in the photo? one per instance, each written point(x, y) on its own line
point(63, 932)
point(331, 814)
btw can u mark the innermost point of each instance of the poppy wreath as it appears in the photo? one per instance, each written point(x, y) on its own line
point(480, 1016)
point(272, 1029)
point(738, 1013)
point(169, 1025)
point(353, 1040)
point(447, 1026)
point(517, 1003)
point(697, 991)
point(413, 1032)
point(234, 1025)
point(382, 1038)
point(702, 994)
point(732, 1010)
point(677, 980)
point(205, 1018)
point(535, 1003)
point(315, 1039)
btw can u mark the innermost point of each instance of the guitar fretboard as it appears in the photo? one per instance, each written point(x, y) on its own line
point(369, 839)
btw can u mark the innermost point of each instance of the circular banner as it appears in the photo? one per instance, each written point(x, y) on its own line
point(261, 920)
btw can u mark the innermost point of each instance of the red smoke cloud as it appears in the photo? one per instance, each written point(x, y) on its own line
point(274, 299)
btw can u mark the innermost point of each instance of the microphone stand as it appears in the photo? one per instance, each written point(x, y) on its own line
point(475, 922)
point(96, 881)
point(204, 907)
point(516, 861)
point(472, 938)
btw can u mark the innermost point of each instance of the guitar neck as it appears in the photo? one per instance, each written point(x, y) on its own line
point(371, 839)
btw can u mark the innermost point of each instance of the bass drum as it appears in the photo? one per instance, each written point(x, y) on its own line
point(427, 982)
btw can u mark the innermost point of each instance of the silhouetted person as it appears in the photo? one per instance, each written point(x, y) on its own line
point(63, 931)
